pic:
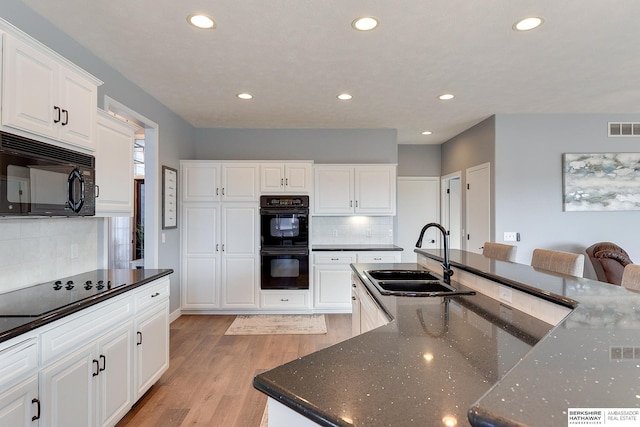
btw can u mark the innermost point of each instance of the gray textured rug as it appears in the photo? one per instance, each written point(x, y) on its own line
point(278, 324)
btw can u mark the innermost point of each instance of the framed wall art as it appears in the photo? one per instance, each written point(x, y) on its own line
point(169, 197)
point(601, 181)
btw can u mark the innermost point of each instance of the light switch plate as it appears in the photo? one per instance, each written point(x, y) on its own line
point(510, 236)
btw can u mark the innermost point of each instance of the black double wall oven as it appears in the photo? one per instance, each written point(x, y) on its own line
point(284, 238)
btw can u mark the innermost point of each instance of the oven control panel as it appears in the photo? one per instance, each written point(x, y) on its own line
point(284, 201)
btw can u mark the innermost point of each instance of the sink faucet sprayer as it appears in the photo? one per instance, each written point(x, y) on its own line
point(446, 267)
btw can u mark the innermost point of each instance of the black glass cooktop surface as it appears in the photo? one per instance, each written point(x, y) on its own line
point(38, 300)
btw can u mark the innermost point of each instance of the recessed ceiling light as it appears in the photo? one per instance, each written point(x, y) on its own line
point(201, 21)
point(244, 95)
point(527, 24)
point(427, 132)
point(366, 23)
point(446, 97)
point(344, 97)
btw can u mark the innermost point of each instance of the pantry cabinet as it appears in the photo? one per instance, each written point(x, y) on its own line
point(46, 95)
point(114, 166)
point(205, 181)
point(220, 243)
point(355, 189)
point(286, 178)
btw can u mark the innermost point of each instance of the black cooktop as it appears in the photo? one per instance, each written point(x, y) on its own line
point(38, 300)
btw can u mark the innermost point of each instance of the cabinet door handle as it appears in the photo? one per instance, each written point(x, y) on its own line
point(284, 299)
point(377, 259)
point(223, 247)
point(286, 181)
point(335, 259)
point(57, 110)
point(350, 203)
point(139, 338)
point(37, 402)
point(97, 191)
point(223, 191)
point(353, 285)
point(356, 203)
point(66, 117)
point(155, 295)
point(104, 362)
point(353, 298)
point(281, 182)
point(97, 366)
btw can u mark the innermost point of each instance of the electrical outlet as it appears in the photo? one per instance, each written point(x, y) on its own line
point(505, 294)
point(510, 236)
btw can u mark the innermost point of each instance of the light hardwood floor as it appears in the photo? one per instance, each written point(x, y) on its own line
point(209, 381)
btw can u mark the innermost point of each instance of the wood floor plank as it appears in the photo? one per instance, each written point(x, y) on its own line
point(209, 381)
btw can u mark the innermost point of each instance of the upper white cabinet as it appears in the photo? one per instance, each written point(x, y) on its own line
point(355, 189)
point(114, 166)
point(46, 95)
point(206, 181)
point(285, 177)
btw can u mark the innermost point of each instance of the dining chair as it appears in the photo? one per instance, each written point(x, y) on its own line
point(631, 277)
point(558, 262)
point(499, 251)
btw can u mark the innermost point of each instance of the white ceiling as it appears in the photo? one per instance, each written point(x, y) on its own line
point(295, 56)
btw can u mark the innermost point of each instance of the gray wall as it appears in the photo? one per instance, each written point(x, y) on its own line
point(528, 184)
point(319, 145)
point(176, 137)
point(419, 160)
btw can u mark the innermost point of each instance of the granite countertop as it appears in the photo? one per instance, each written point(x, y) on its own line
point(29, 308)
point(490, 365)
point(432, 362)
point(356, 247)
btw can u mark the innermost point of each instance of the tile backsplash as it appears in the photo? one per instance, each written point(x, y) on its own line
point(351, 230)
point(37, 250)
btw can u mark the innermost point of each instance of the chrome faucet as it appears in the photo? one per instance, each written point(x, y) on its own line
point(446, 266)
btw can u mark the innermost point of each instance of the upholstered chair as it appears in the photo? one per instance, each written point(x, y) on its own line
point(631, 277)
point(558, 262)
point(499, 251)
point(609, 261)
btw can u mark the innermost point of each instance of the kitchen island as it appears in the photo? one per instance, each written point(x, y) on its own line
point(473, 359)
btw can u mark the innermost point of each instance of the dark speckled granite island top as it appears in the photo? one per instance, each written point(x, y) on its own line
point(472, 359)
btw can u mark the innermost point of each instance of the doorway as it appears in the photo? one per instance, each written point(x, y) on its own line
point(452, 208)
point(141, 238)
point(478, 207)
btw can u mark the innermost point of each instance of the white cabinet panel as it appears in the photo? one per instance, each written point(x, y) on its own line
point(334, 189)
point(200, 287)
point(200, 229)
point(375, 190)
point(240, 282)
point(115, 367)
point(200, 181)
point(18, 405)
point(240, 182)
point(332, 286)
point(285, 177)
point(240, 229)
point(152, 347)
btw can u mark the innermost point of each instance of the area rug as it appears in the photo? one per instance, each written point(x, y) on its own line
point(278, 324)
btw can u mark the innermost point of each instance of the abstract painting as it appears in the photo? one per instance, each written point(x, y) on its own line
point(601, 181)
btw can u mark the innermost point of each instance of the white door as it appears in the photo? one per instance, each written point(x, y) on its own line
point(17, 405)
point(152, 347)
point(116, 376)
point(78, 99)
point(240, 182)
point(375, 190)
point(418, 204)
point(333, 192)
point(478, 207)
point(452, 209)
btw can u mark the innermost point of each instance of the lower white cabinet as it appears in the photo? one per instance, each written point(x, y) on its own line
point(152, 347)
point(332, 276)
point(284, 299)
point(59, 376)
point(366, 314)
point(19, 405)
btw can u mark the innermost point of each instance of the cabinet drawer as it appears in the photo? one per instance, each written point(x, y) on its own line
point(78, 329)
point(285, 300)
point(386, 256)
point(334, 257)
point(151, 294)
point(18, 361)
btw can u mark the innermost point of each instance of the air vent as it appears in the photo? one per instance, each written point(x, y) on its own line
point(624, 128)
point(20, 145)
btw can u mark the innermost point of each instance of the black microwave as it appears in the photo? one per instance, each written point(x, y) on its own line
point(40, 179)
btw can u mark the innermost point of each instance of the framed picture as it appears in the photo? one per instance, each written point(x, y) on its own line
point(169, 197)
point(601, 181)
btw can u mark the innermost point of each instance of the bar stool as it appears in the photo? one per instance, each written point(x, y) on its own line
point(499, 251)
point(558, 262)
point(631, 277)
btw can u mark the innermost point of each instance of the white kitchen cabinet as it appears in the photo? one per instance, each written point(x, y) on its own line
point(332, 275)
point(220, 256)
point(114, 166)
point(152, 346)
point(46, 95)
point(283, 300)
point(210, 181)
point(92, 385)
point(19, 405)
point(355, 189)
point(367, 314)
point(285, 177)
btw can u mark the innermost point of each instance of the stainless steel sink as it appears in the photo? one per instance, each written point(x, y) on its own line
point(415, 283)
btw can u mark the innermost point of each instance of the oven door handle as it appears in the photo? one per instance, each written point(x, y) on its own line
point(268, 252)
point(284, 211)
